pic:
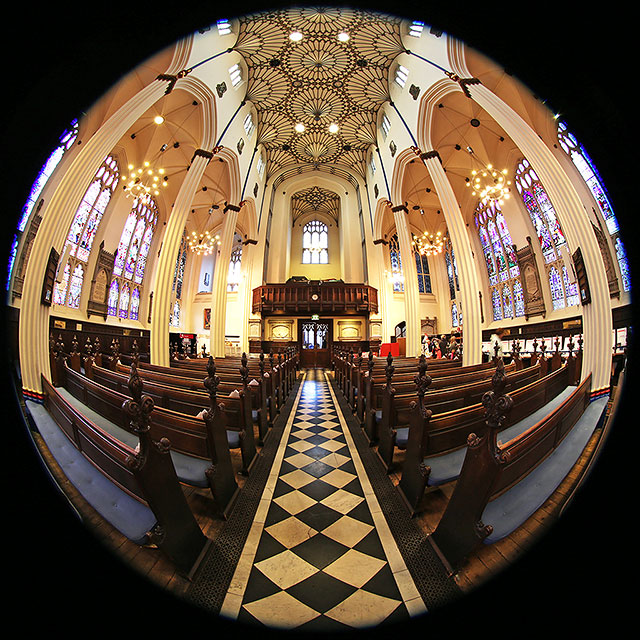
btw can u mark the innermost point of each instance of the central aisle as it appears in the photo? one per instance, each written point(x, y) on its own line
point(319, 555)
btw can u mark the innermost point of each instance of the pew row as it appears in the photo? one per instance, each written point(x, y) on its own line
point(200, 445)
point(435, 442)
point(134, 488)
point(376, 389)
point(393, 425)
point(502, 485)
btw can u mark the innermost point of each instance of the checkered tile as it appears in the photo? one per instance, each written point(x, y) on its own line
point(319, 564)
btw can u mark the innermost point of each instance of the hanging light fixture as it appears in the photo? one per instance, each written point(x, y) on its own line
point(488, 183)
point(203, 244)
point(145, 181)
point(429, 244)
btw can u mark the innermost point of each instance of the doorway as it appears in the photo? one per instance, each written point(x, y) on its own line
point(314, 342)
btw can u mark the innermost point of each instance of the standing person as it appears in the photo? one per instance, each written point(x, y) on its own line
point(496, 339)
point(453, 346)
point(443, 346)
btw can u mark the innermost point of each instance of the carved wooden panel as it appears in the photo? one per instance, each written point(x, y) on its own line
point(531, 285)
point(612, 278)
point(99, 293)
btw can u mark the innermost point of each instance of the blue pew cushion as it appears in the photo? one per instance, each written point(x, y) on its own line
point(189, 469)
point(129, 516)
point(508, 511)
point(447, 467)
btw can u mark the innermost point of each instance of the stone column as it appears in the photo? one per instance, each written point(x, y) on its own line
point(57, 216)
point(467, 276)
point(219, 284)
point(409, 270)
point(246, 291)
point(161, 310)
point(596, 316)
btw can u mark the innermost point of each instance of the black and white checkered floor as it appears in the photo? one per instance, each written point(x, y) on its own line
point(319, 555)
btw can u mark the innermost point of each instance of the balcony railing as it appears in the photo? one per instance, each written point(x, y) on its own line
point(320, 297)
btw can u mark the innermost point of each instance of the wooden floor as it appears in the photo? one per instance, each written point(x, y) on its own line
point(482, 565)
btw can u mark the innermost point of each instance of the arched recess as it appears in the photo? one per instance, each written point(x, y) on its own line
point(427, 109)
point(177, 221)
point(449, 203)
point(235, 179)
point(202, 92)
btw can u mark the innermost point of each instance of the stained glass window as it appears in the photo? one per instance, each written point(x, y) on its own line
point(624, 265)
point(557, 292)
point(564, 291)
point(114, 294)
point(452, 286)
point(496, 302)
point(518, 298)
point(590, 175)
point(82, 231)
point(133, 249)
point(315, 243)
point(75, 287)
point(455, 321)
point(235, 263)
point(123, 305)
point(570, 288)
point(66, 140)
point(175, 316)
point(60, 288)
point(134, 304)
point(501, 260)
point(422, 267)
point(395, 260)
point(507, 302)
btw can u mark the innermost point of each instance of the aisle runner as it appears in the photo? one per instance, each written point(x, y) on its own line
point(319, 555)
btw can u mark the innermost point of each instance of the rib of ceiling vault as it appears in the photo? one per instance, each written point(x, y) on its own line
point(315, 199)
point(316, 82)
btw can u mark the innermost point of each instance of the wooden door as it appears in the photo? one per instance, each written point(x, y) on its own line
point(314, 338)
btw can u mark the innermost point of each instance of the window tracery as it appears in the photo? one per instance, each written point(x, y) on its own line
point(131, 255)
point(501, 261)
point(315, 243)
point(83, 231)
point(564, 289)
point(589, 174)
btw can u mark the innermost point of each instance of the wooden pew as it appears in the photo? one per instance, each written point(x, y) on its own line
point(135, 488)
point(376, 386)
point(396, 407)
point(200, 445)
point(192, 402)
point(270, 383)
point(232, 385)
point(438, 440)
point(501, 485)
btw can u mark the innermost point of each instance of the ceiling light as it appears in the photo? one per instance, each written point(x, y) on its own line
point(343, 37)
point(295, 36)
point(158, 119)
point(299, 127)
point(333, 128)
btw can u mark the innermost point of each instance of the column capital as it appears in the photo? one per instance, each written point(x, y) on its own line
point(231, 207)
point(400, 207)
point(202, 153)
point(463, 82)
point(428, 155)
point(172, 79)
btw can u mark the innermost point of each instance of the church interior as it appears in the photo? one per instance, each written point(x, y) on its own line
point(318, 321)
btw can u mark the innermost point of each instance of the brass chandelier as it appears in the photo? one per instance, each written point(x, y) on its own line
point(488, 183)
point(429, 244)
point(203, 244)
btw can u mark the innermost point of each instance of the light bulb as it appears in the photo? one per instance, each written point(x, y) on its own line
point(295, 36)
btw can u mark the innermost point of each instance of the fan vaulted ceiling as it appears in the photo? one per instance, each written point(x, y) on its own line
point(317, 81)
